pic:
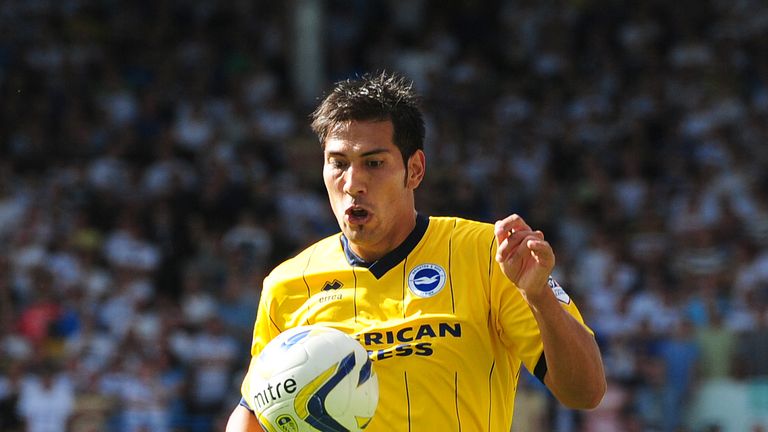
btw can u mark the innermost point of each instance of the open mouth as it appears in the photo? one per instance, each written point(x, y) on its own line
point(357, 215)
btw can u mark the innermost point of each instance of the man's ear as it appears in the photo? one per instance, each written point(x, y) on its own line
point(417, 167)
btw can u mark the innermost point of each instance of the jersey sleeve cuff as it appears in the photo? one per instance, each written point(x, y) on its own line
point(540, 371)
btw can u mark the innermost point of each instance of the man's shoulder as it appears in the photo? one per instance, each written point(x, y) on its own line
point(294, 266)
point(462, 229)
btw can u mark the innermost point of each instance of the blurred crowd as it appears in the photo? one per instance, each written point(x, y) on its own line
point(156, 162)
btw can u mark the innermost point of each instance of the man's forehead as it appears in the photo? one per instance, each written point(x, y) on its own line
point(361, 137)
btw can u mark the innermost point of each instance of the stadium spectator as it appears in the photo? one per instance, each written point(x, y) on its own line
point(46, 400)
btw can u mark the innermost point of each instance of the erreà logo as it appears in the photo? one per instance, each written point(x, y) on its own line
point(426, 280)
point(336, 284)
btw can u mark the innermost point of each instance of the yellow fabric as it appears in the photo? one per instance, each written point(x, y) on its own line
point(448, 361)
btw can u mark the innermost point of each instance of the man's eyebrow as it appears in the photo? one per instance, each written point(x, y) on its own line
point(366, 154)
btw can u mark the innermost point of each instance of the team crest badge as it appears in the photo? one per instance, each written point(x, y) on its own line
point(426, 280)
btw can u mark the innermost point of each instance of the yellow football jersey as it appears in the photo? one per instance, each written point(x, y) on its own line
point(446, 330)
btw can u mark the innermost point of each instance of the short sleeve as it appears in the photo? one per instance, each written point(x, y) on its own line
point(264, 330)
point(515, 323)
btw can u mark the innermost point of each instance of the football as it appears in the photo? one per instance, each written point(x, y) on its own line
point(313, 378)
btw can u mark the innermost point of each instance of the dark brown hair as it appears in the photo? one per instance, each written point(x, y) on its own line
point(381, 97)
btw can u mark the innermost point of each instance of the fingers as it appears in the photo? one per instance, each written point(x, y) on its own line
point(541, 251)
point(515, 236)
point(531, 240)
point(510, 223)
point(510, 227)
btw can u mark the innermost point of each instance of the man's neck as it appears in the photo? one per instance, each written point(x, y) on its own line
point(372, 253)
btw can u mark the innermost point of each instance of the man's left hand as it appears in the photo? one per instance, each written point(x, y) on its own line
point(524, 256)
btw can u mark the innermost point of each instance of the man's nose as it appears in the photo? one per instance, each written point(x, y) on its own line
point(355, 181)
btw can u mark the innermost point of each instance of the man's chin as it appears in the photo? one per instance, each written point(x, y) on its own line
point(356, 233)
point(352, 232)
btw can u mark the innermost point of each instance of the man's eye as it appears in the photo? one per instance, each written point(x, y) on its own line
point(375, 163)
point(337, 164)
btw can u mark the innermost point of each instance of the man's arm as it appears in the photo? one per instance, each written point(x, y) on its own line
point(575, 372)
point(242, 420)
point(574, 368)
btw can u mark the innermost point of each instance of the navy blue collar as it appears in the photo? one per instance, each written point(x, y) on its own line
point(384, 264)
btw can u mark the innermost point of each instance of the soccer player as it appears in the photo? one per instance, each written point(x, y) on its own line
point(449, 309)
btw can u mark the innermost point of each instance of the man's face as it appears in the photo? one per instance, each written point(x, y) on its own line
point(370, 191)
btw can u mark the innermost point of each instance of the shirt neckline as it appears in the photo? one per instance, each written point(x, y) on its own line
point(386, 263)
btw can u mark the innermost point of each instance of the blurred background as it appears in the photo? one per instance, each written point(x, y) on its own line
point(156, 162)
